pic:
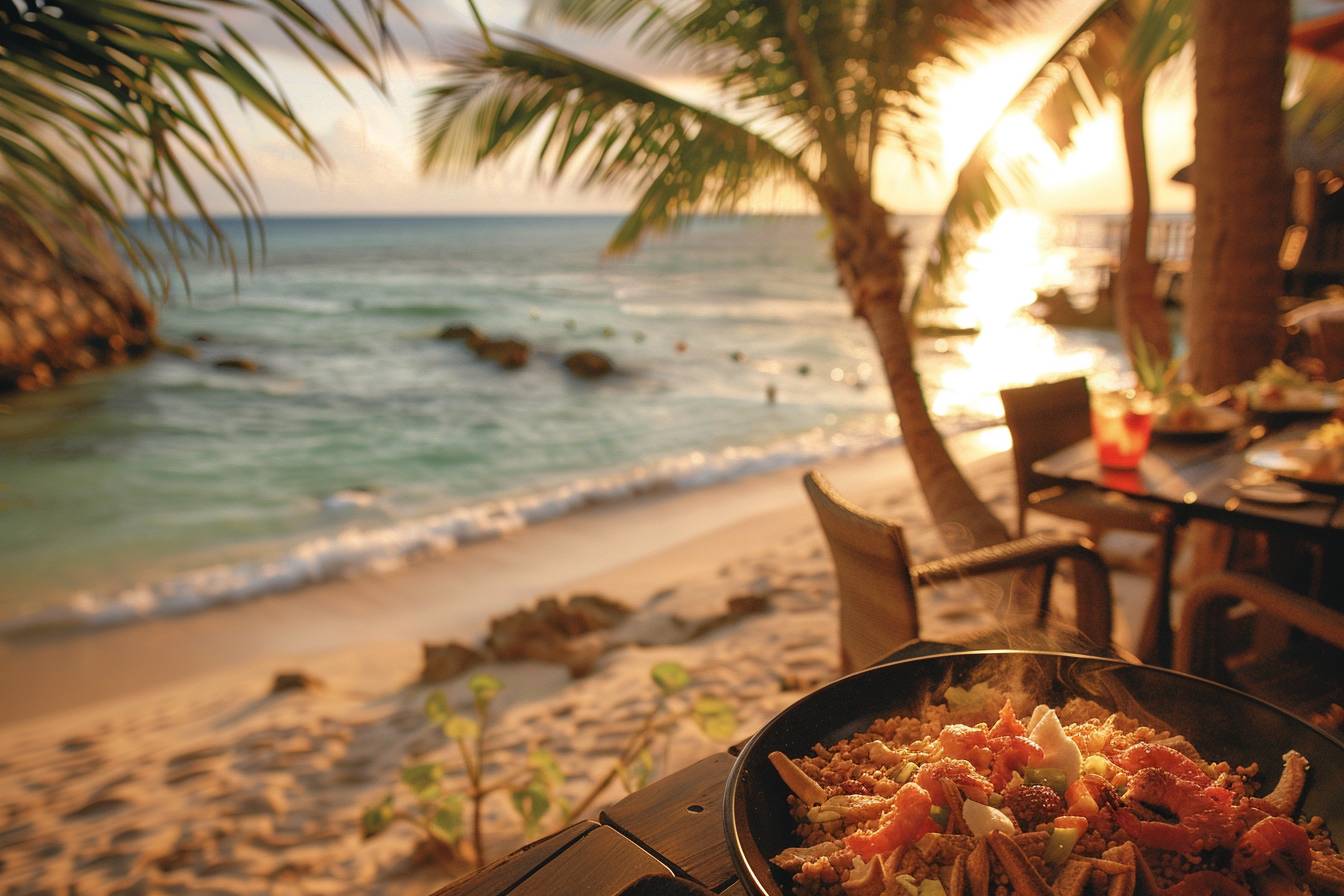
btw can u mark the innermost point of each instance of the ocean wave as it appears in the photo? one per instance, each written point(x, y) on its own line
point(387, 547)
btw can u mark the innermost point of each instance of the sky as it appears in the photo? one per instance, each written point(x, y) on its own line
point(373, 166)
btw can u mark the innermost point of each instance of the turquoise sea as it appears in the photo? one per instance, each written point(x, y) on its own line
point(364, 442)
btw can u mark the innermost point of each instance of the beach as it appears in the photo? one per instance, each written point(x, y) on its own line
point(151, 758)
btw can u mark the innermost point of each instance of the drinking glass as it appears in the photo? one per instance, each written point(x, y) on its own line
point(1122, 423)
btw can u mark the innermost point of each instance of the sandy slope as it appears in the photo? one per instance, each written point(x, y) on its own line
point(149, 759)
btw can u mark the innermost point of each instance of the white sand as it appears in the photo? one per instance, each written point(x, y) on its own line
point(149, 758)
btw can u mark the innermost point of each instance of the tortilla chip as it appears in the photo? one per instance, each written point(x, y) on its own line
point(1124, 860)
point(1033, 843)
point(1072, 878)
point(1025, 879)
point(956, 881)
point(977, 869)
point(956, 822)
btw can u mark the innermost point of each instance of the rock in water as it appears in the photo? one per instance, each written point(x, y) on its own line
point(246, 365)
point(459, 331)
point(446, 661)
point(509, 354)
point(588, 365)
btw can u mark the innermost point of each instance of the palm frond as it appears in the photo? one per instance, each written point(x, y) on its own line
point(106, 109)
point(600, 126)
point(844, 77)
point(1120, 42)
point(1314, 121)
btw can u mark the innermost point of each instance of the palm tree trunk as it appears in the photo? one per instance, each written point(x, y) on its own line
point(872, 271)
point(1241, 189)
point(1138, 311)
point(62, 313)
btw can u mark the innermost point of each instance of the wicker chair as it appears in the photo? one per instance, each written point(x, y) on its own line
point(876, 582)
point(1049, 417)
point(1304, 678)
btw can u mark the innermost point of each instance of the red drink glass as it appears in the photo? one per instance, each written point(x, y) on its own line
point(1122, 423)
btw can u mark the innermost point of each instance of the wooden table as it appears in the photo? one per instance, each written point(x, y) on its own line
point(671, 828)
point(1192, 478)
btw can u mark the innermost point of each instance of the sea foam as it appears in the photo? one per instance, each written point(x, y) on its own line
point(371, 550)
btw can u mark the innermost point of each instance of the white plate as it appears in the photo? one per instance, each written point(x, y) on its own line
point(1217, 421)
point(1299, 401)
point(1271, 493)
point(1292, 460)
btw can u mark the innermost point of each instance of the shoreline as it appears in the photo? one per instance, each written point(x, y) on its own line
point(623, 548)
point(357, 550)
point(155, 757)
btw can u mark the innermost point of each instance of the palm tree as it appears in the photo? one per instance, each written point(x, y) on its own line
point(1112, 54)
point(1241, 189)
point(109, 124)
point(808, 95)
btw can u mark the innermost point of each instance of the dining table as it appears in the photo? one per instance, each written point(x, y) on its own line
point(1206, 478)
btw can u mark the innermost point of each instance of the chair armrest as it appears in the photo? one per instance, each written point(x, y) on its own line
point(1010, 555)
point(1092, 580)
point(1208, 598)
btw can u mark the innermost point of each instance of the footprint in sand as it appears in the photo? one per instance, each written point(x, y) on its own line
point(97, 808)
point(194, 756)
point(77, 744)
point(191, 773)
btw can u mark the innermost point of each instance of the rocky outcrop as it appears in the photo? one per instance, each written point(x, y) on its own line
point(63, 312)
point(286, 682)
point(509, 354)
point(244, 365)
point(443, 662)
point(588, 365)
point(459, 331)
point(556, 632)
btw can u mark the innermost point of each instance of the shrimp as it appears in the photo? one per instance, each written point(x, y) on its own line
point(1283, 799)
point(903, 824)
point(1144, 755)
point(1012, 752)
point(965, 742)
point(959, 772)
point(1271, 839)
point(1206, 817)
point(1007, 725)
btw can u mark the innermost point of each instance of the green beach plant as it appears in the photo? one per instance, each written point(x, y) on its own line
point(110, 115)
point(806, 100)
point(448, 815)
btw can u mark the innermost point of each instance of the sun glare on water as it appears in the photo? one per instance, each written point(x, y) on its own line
point(1012, 260)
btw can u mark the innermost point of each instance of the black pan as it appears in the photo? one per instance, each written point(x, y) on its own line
point(1221, 722)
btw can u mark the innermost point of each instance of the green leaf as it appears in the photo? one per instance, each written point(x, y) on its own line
point(636, 773)
point(436, 708)
point(670, 677)
point(545, 769)
point(461, 728)
point(446, 824)
point(376, 818)
point(423, 779)
point(531, 803)
point(107, 114)
point(484, 689)
point(716, 718)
